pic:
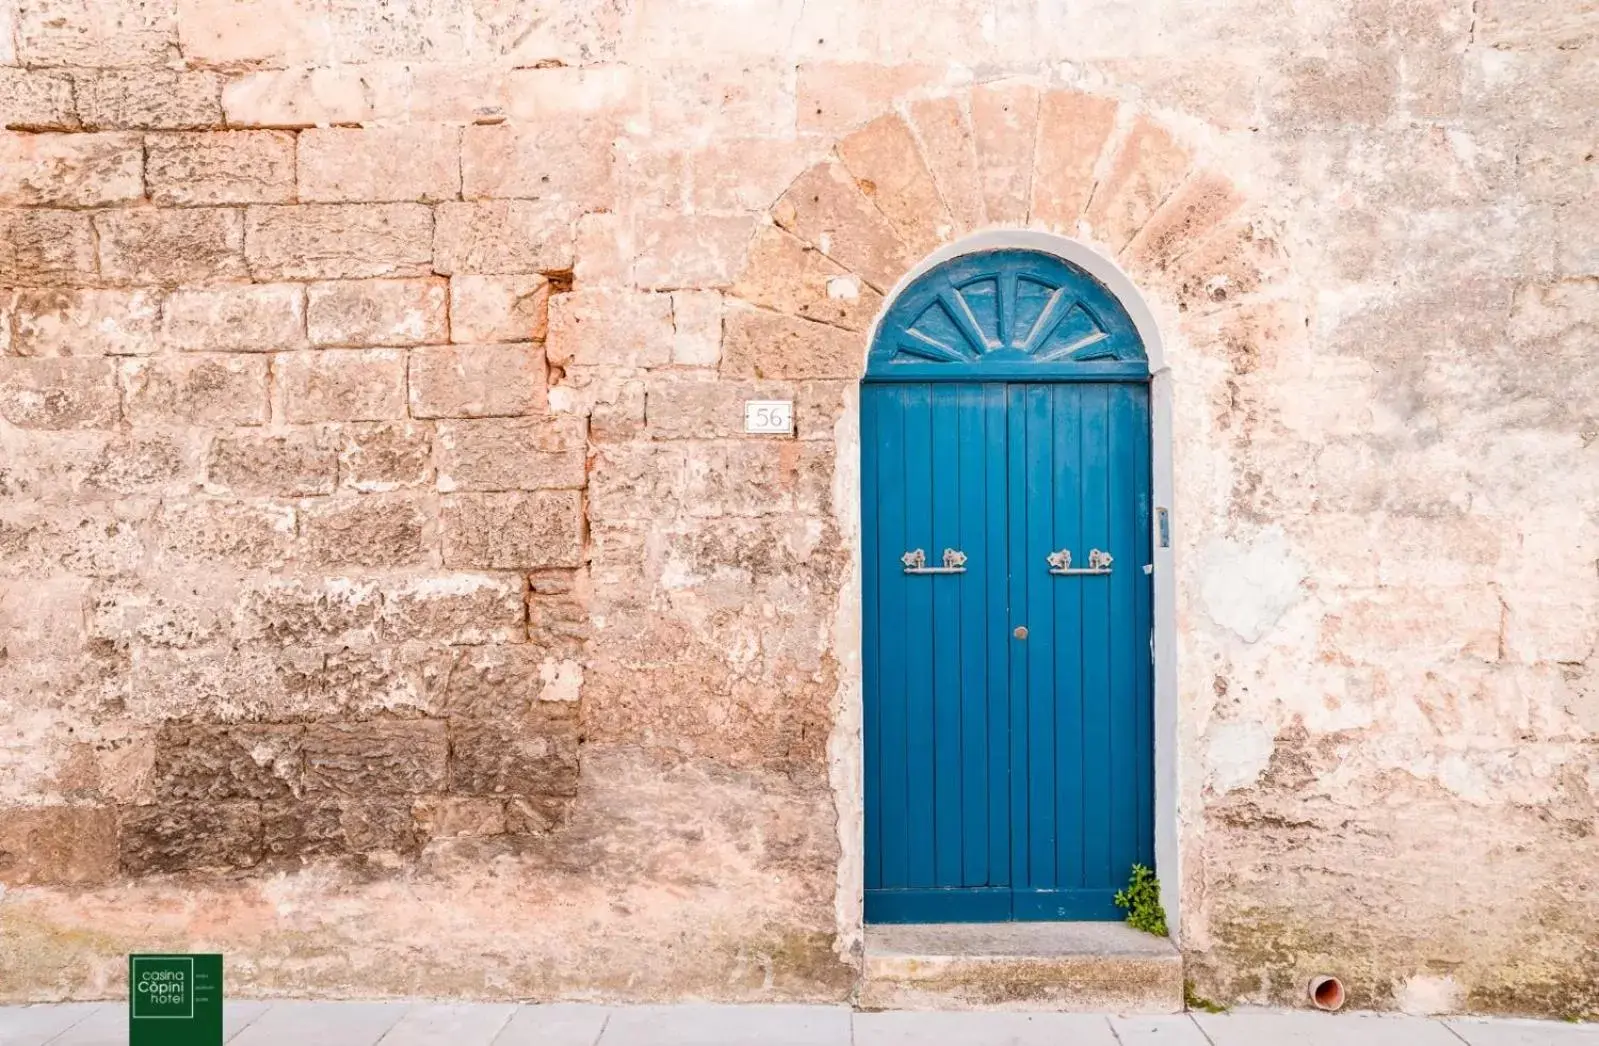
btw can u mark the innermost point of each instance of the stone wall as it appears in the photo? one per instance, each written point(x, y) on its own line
point(391, 600)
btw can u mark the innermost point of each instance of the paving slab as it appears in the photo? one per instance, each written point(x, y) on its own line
point(555, 1024)
point(36, 1025)
point(450, 1024)
point(1308, 1028)
point(727, 1026)
point(1177, 1029)
point(983, 1029)
point(322, 1024)
point(1478, 1031)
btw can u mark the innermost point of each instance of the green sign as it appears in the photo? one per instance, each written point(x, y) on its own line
point(174, 1000)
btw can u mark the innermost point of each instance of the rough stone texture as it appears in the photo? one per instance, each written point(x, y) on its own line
point(1366, 232)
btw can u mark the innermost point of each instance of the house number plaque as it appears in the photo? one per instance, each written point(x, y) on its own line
point(769, 417)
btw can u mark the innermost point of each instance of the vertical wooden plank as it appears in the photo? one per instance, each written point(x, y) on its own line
point(944, 639)
point(1143, 654)
point(918, 633)
point(1040, 524)
point(997, 634)
point(1098, 783)
point(891, 768)
point(1067, 593)
point(871, 637)
point(1016, 450)
point(972, 439)
point(1125, 480)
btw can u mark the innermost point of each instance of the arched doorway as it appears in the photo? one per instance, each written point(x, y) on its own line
point(1006, 536)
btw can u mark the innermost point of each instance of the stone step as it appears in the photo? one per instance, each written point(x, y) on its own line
point(1071, 967)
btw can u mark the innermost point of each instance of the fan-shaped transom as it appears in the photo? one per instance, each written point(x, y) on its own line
point(1011, 315)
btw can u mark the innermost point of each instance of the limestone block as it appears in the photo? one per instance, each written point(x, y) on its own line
point(504, 236)
point(148, 99)
point(1073, 128)
point(241, 31)
point(109, 34)
point(341, 385)
point(377, 312)
point(289, 464)
point(696, 328)
point(200, 245)
point(287, 612)
point(228, 683)
point(385, 456)
point(691, 251)
point(836, 96)
point(706, 409)
point(537, 755)
point(495, 682)
point(618, 413)
point(86, 322)
point(1235, 261)
point(455, 609)
point(291, 98)
point(261, 317)
point(477, 381)
point(827, 210)
point(188, 836)
point(70, 170)
point(189, 168)
point(887, 165)
point(57, 845)
point(1187, 217)
point(36, 100)
point(196, 390)
point(511, 454)
point(1004, 127)
point(610, 328)
point(46, 248)
point(420, 162)
point(498, 308)
point(565, 162)
point(101, 463)
point(746, 174)
point(366, 530)
point(206, 763)
point(454, 817)
point(950, 150)
point(59, 393)
point(403, 682)
point(608, 93)
point(1354, 86)
point(761, 344)
point(788, 275)
point(702, 99)
point(1146, 169)
point(382, 757)
point(513, 531)
point(88, 540)
point(339, 241)
point(603, 251)
point(175, 612)
point(239, 535)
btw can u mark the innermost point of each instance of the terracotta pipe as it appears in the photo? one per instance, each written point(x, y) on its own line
point(1327, 993)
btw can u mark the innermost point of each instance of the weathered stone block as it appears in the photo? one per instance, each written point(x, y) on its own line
point(149, 99)
point(826, 207)
point(691, 250)
point(112, 34)
point(1073, 128)
point(57, 845)
point(451, 817)
point(289, 612)
point(70, 170)
point(696, 328)
point(617, 413)
point(455, 609)
point(535, 815)
point(377, 457)
point(1146, 170)
point(706, 409)
point(196, 390)
point(321, 828)
point(239, 535)
point(500, 682)
point(85, 322)
point(188, 168)
point(382, 757)
point(292, 464)
point(36, 100)
point(46, 248)
point(339, 241)
point(1004, 126)
point(366, 530)
point(758, 344)
point(206, 763)
point(888, 167)
point(198, 245)
point(788, 275)
point(88, 540)
point(377, 312)
point(229, 683)
point(604, 251)
point(565, 161)
point(1188, 217)
point(404, 681)
point(380, 827)
point(341, 385)
point(511, 454)
point(173, 612)
point(504, 236)
point(290, 98)
point(1358, 86)
point(743, 175)
point(513, 531)
point(189, 836)
point(835, 96)
point(263, 317)
point(59, 393)
point(698, 101)
point(537, 755)
point(477, 381)
point(498, 308)
point(610, 328)
point(419, 162)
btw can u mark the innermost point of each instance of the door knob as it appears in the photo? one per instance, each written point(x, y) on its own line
point(1021, 632)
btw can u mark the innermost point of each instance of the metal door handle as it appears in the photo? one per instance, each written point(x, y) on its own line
point(916, 562)
point(1060, 563)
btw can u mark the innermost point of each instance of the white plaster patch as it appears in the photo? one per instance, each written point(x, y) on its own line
point(1424, 995)
point(844, 288)
point(1240, 751)
point(1247, 588)
point(563, 680)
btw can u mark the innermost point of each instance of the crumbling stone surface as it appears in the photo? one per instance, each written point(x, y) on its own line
point(377, 520)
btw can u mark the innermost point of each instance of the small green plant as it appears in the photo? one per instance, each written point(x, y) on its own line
point(1141, 899)
point(1192, 1000)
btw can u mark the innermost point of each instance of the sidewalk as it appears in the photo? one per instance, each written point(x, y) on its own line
point(488, 1024)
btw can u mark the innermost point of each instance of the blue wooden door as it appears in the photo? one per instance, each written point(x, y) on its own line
point(1006, 526)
